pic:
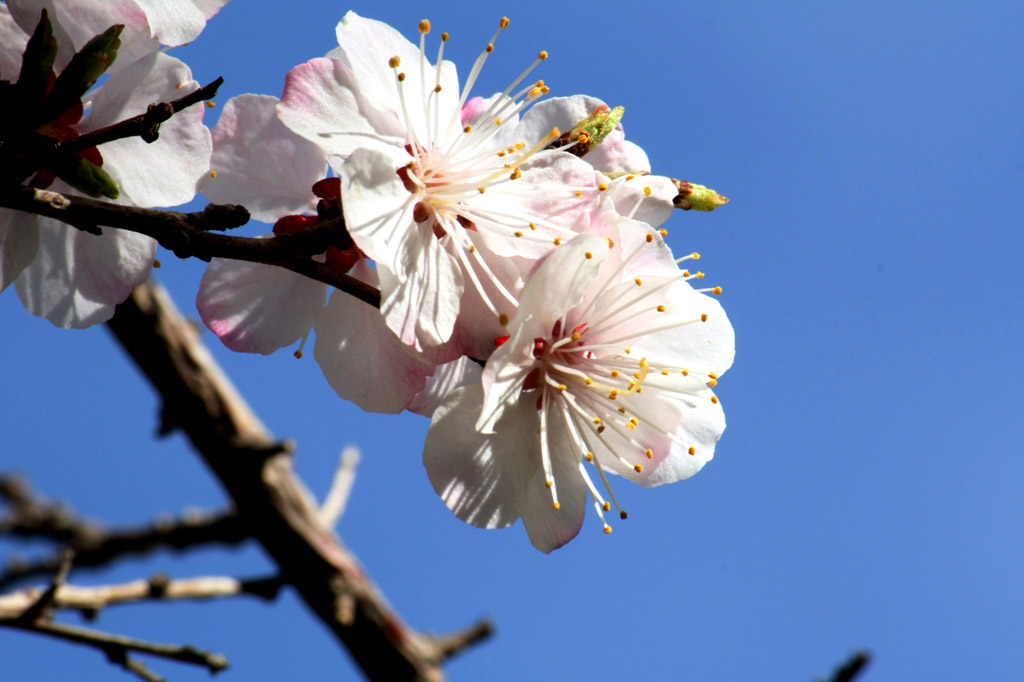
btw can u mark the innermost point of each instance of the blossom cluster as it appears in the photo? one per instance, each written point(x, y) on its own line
point(529, 302)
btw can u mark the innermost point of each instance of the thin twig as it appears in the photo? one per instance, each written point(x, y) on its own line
point(188, 234)
point(341, 487)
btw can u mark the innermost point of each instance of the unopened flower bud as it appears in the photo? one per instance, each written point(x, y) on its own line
point(697, 197)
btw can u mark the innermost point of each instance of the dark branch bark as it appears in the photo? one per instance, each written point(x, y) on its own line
point(189, 235)
point(257, 473)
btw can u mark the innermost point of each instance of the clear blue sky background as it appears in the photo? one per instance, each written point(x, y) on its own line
point(867, 492)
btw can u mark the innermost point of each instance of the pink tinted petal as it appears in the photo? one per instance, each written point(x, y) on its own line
point(616, 154)
point(475, 477)
point(165, 172)
point(256, 308)
point(260, 163)
point(77, 278)
point(629, 197)
point(19, 241)
point(363, 360)
point(322, 103)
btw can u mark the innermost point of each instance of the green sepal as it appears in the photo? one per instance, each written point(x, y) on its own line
point(37, 64)
point(82, 72)
point(697, 197)
point(85, 176)
point(599, 124)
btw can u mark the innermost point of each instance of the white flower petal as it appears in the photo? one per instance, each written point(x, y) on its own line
point(77, 278)
point(256, 308)
point(363, 360)
point(260, 163)
point(165, 172)
point(445, 380)
point(19, 242)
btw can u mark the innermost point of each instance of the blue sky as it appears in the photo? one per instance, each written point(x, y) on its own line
point(866, 493)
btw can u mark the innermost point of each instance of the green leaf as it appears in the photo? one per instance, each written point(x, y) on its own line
point(85, 176)
point(82, 72)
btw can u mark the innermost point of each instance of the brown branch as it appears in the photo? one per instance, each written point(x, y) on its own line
point(851, 668)
point(146, 126)
point(93, 544)
point(188, 234)
point(257, 473)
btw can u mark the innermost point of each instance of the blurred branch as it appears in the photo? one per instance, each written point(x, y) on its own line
point(90, 600)
point(31, 516)
point(257, 472)
point(32, 611)
point(189, 235)
point(851, 668)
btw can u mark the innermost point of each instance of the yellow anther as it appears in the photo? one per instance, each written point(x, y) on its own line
point(503, 319)
point(638, 375)
point(602, 187)
point(490, 48)
point(712, 375)
point(627, 350)
point(558, 241)
point(575, 336)
point(425, 26)
point(686, 372)
point(714, 399)
point(600, 429)
point(615, 374)
point(533, 226)
point(556, 506)
point(588, 381)
point(649, 237)
point(639, 468)
point(686, 273)
point(611, 243)
point(213, 174)
point(437, 88)
point(210, 104)
point(445, 37)
point(516, 174)
point(622, 410)
point(664, 372)
point(597, 420)
point(589, 456)
point(555, 133)
point(703, 317)
point(467, 129)
point(549, 483)
point(534, 93)
point(472, 248)
point(401, 77)
point(543, 55)
point(497, 121)
point(692, 450)
point(394, 62)
point(518, 233)
point(639, 282)
point(481, 189)
point(298, 354)
point(661, 308)
point(649, 453)
point(562, 387)
point(157, 263)
point(607, 529)
point(607, 506)
point(663, 232)
point(179, 86)
point(712, 383)
point(502, 154)
point(716, 291)
point(613, 394)
point(579, 193)
point(639, 389)
point(504, 22)
point(623, 515)
point(634, 421)
point(700, 275)
point(647, 191)
point(630, 177)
